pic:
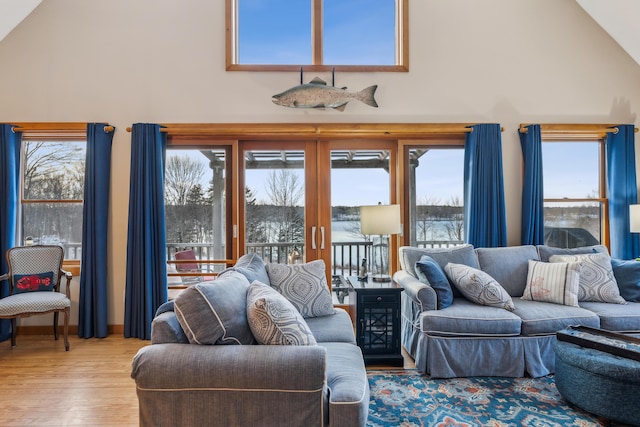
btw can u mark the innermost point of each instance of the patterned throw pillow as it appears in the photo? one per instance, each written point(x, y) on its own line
point(274, 320)
point(215, 312)
point(477, 286)
point(304, 285)
point(597, 282)
point(553, 282)
point(32, 282)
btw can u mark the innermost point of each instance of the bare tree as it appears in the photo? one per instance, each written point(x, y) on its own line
point(53, 170)
point(285, 219)
point(181, 174)
point(455, 224)
point(284, 188)
point(426, 213)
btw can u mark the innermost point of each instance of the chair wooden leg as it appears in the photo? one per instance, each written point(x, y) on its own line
point(66, 330)
point(55, 325)
point(13, 332)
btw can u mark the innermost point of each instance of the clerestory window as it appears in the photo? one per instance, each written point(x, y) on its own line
point(350, 35)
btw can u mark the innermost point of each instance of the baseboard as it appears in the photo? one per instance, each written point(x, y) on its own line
point(73, 330)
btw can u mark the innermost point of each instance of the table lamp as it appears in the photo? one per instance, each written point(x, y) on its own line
point(634, 218)
point(381, 220)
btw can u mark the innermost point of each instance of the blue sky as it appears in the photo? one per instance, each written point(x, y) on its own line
point(356, 32)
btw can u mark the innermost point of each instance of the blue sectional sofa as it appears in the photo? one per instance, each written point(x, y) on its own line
point(469, 339)
point(182, 383)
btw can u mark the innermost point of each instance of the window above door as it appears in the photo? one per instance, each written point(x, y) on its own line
point(348, 35)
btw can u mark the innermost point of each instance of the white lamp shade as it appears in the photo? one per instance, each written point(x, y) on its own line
point(634, 218)
point(380, 219)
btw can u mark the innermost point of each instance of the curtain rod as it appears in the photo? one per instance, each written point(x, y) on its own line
point(55, 127)
point(566, 129)
point(328, 129)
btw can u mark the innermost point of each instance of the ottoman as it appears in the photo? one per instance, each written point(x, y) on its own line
point(599, 382)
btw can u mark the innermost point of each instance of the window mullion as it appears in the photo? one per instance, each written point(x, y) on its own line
point(316, 32)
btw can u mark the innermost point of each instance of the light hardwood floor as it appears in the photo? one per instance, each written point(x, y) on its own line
point(90, 385)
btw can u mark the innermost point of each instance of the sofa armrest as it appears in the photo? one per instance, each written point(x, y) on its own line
point(423, 295)
point(179, 366)
point(165, 328)
point(201, 385)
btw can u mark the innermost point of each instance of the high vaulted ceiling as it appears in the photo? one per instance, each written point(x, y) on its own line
point(12, 12)
point(616, 17)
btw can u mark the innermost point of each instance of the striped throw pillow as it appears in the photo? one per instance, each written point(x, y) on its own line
point(556, 282)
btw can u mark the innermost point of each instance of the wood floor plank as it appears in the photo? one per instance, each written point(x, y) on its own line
point(42, 385)
point(90, 385)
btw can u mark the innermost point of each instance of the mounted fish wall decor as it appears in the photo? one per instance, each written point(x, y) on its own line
point(316, 94)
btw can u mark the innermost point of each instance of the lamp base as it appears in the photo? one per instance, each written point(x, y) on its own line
point(381, 278)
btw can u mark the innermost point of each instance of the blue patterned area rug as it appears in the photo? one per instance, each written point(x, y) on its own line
point(408, 399)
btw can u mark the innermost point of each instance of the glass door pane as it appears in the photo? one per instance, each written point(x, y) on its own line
point(435, 190)
point(274, 205)
point(196, 189)
point(358, 177)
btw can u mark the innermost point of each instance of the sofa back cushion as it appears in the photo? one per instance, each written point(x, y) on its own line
point(508, 266)
point(215, 312)
point(463, 254)
point(250, 266)
point(546, 252)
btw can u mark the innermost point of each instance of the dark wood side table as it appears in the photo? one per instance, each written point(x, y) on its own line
point(377, 320)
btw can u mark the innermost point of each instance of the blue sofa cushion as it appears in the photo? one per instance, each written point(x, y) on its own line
point(430, 273)
point(273, 319)
point(547, 251)
point(543, 318)
point(465, 318)
point(215, 312)
point(478, 286)
point(508, 265)
point(627, 275)
point(463, 254)
point(616, 317)
point(250, 266)
point(336, 327)
point(597, 281)
point(304, 285)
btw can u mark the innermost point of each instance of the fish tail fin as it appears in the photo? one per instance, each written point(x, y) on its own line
point(367, 95)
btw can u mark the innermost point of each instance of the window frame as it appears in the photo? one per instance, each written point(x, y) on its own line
point(596, 133)
point(54, 131)
point(401, 42)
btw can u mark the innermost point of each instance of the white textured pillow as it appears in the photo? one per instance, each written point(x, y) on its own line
point(304, 285)
point(274, 320)
point(597, 282)
point(479, 287)
point(553, 282)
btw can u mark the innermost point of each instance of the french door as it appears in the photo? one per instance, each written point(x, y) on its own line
point(302, 200)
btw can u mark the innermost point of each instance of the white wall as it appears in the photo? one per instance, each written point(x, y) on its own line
point(160, 61)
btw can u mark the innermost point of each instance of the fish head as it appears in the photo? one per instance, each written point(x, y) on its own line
point(285, 99)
